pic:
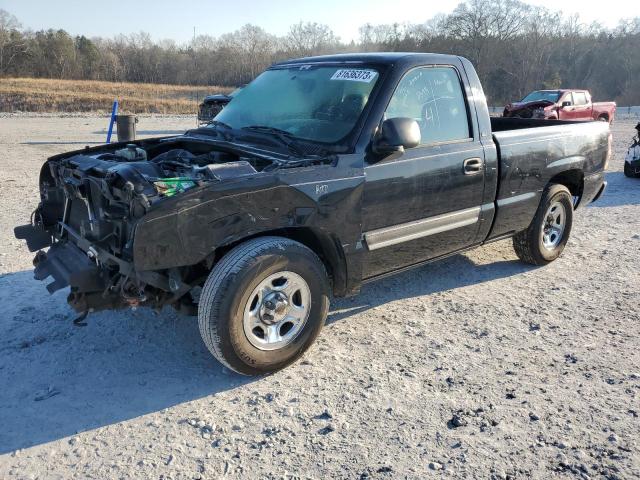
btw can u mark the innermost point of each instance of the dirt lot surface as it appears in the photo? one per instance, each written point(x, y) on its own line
point(477, 366)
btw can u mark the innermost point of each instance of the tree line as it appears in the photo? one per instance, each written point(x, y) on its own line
point(515, 47)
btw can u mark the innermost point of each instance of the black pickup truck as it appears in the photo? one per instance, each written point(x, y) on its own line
point(322, 174)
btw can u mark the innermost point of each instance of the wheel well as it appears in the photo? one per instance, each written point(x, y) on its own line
point(604, 115)
point(328, 250)
point(573, 180)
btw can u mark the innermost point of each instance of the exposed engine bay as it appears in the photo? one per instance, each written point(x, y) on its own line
point(91, 203)
point(102, 190)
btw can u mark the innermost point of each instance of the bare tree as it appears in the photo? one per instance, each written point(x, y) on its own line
point(247, 51)
point(310, 39)
point(12, 42)
point(515, 47)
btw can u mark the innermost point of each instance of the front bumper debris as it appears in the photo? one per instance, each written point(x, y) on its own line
point(89, 284)
point(36, 238)
point(98, 280)
point(68, 266)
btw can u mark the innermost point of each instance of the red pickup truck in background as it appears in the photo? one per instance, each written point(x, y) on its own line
point(561, 105)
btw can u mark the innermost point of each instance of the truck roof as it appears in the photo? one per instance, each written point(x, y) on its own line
point(375, 57)
point(561, 90)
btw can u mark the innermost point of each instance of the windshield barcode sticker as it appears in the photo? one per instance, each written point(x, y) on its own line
point(355, 75)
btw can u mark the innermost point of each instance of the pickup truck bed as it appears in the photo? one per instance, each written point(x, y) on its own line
point(532, 153)
point(323, 173)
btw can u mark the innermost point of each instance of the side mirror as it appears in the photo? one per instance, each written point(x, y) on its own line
point(397, 134)
point(566, 103)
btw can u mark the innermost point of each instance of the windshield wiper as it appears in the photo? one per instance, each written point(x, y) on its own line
point(285, 137)
point(218, 123)
point(268, 129)
point(221, 128)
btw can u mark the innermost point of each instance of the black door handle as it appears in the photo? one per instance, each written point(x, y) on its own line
point(472, 166)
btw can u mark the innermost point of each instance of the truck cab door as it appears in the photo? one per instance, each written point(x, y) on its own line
point(426, 201)
point(582, 109)
point(565, 112)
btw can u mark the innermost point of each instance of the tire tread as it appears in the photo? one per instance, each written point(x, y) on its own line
point(232, 263)
point(525, 242)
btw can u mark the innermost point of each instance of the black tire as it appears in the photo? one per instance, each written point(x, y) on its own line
point(629, 172)
point(528, 244)
point(603, 118)
point(226, 293)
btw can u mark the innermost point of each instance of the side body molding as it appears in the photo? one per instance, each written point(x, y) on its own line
point(405, 232)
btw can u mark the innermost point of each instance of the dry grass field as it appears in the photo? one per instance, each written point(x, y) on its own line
point(44, 95)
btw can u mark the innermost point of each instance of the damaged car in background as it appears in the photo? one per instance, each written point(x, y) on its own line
point(561, 104)
point(322, 174)
point(212, 105)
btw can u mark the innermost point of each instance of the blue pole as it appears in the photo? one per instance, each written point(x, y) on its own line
point(114, 114)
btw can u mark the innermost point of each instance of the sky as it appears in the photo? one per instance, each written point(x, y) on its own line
point(171, 19)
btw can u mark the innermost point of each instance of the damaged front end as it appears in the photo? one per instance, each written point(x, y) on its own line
point(538, 109)
point(91, 204)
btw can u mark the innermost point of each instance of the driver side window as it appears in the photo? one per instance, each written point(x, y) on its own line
point(433, 97)
point(567, 98)
point(580, 98)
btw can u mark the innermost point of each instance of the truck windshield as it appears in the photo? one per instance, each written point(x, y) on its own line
point(542, 95)
point(320, 104)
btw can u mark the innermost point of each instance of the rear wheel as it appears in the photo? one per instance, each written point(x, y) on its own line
point(263, 305)
point(603, 118)
point(545, 238)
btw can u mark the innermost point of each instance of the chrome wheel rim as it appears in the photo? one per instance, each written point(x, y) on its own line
point(277, 310)
point(553, 226)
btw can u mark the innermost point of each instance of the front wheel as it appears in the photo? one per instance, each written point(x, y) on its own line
point(263, 305)
point(545, 238)
point(629, 171)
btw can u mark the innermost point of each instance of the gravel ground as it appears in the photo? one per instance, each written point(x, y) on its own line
point(477, 366)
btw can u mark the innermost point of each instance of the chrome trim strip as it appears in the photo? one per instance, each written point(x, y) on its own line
point(420, 158)
point(384, 237)
point(523, 197)
point(327, 181)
